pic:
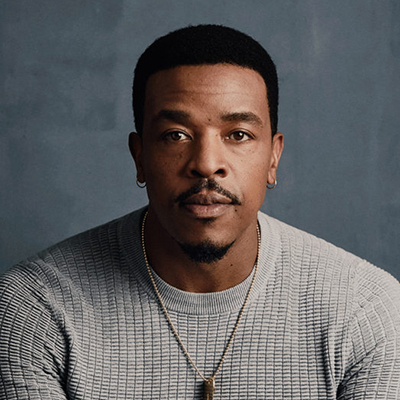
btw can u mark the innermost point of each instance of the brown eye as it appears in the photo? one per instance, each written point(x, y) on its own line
point(176, 136)
point(239, 136)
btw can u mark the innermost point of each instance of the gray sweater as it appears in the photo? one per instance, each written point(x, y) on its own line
point(81, 321)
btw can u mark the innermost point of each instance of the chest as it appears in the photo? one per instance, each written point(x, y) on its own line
point(275, 354)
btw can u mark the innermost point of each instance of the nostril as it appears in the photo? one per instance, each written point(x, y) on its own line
point(199, 174)
point(196, 174)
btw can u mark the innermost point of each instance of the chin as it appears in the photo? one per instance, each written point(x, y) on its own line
point(205, 252)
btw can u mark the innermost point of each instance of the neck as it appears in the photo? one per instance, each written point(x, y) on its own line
point(175, 267)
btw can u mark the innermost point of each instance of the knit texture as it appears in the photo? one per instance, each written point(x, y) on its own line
point(81, 321)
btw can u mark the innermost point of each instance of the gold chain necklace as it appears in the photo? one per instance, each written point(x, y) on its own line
point(209, 384)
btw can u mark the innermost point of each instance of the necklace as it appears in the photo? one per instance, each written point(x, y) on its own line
point(209, 384)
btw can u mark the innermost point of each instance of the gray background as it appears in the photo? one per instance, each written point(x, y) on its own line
point(66, 72)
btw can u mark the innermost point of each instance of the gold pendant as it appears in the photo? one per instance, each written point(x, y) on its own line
point(209, 388)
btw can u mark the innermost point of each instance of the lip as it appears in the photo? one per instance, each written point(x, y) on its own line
point(207, 205)
point(207, 198)
point(207, 211)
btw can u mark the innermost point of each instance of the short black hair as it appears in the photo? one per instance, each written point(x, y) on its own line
point(204, 44)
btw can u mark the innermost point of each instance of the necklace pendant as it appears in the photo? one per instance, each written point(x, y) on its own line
point(209, 388)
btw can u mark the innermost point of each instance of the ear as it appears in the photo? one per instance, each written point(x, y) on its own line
point(277, 148)
point(135, 147)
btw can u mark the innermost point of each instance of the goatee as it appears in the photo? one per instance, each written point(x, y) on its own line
point(205, 252)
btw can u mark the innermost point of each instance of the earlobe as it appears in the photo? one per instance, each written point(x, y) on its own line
point(135, 147)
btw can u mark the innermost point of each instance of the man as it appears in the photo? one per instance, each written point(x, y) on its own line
point(199, 295)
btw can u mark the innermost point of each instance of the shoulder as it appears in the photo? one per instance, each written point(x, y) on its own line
point(313, 252)
point(339, 280)
point(376, 317)
point(70, 265)
point(92, 246)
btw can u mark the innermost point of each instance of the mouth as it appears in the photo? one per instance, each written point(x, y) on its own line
point(207, 200)
point(207, 204)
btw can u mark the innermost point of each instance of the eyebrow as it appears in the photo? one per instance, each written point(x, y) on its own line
point(178, 116)
point(246, 116)
point(181, 117)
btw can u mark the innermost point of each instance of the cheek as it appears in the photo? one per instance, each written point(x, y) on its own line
point(163, 159)
point(256, 187)
point(156, 165)
point(161, 176)
point(255, 181)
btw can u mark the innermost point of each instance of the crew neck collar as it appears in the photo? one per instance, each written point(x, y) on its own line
point(180, 301)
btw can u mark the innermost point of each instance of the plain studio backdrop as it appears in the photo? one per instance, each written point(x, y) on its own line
point(66, 72)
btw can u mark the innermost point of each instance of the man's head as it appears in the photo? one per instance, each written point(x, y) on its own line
point(207, 143)
point(202, 45)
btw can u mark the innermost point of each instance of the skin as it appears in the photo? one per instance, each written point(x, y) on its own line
point(207, 122)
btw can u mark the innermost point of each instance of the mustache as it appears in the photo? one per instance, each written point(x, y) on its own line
point(208, 184)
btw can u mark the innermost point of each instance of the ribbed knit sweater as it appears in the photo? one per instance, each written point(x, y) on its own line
point(81, 321)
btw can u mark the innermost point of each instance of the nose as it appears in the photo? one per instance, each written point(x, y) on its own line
point(208, 158)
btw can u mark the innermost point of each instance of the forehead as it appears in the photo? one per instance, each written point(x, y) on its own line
point(220, 87)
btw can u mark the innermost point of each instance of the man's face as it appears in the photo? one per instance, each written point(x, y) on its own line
point(206, 153)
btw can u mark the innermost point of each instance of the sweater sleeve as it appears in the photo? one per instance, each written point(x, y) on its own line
point(372, 369)
point(32, 346)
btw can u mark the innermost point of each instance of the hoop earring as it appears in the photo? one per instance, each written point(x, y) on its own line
point(272, 185)
point(140, 185)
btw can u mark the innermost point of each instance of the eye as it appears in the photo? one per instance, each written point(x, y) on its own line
point(176, 136)
point(239, 136)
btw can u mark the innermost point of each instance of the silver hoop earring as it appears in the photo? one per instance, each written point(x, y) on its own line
point(272, 185)
point(139, 184)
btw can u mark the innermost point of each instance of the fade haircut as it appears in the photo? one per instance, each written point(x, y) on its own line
point(199, 45)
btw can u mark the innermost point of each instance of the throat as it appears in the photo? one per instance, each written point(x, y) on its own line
point(204, 278)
